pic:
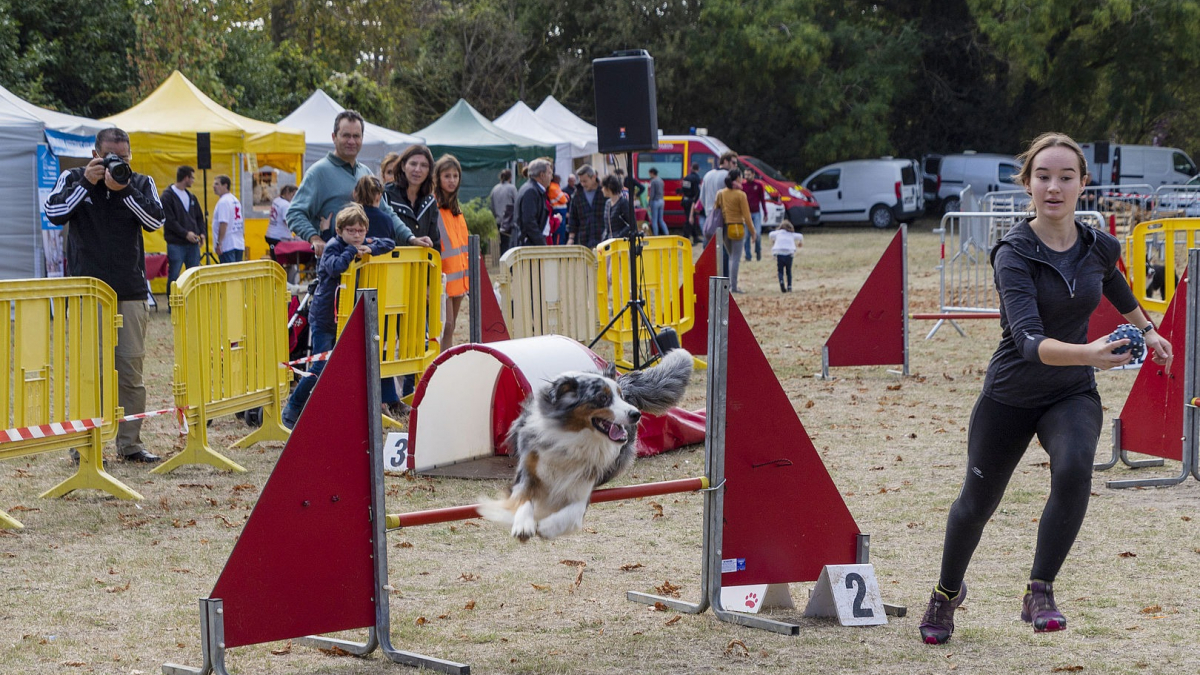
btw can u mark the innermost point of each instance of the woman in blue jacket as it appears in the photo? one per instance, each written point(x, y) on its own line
point(1050, 272)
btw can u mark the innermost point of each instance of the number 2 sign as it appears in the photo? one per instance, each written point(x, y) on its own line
point(849, 592)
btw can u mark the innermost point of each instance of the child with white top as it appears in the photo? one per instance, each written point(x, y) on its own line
point(784, 242)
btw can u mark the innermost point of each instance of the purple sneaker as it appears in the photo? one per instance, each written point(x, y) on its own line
point(938, 622)
point(1038, 608)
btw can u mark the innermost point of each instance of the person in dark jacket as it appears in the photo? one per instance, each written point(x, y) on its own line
point(106, 219)
point(689, 193)
point(586, 213)
point(411, 196)
point(351, 242)
point(533, 209)
point(616, 209)
point(185, 225)
point(1050, 272)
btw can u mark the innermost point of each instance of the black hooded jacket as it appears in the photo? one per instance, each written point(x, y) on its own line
point(1039, 302)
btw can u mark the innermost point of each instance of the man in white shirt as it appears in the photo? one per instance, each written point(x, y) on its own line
point(714, 181)
point(231, 226)
point(277, 227)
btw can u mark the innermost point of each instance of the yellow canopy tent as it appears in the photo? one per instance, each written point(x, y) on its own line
point(162, 132)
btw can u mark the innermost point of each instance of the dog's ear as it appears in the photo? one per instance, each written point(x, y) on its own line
point(610, 371)
point(560, 388)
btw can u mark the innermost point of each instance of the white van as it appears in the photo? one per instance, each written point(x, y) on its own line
point(1115, 164)
point(878, 191)
point(983, 172)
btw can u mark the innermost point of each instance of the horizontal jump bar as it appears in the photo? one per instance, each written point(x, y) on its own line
point(451, 513)
point(954, 316)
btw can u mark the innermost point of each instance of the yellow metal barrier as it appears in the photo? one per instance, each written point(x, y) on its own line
point(230, 346)
point(1167, 241)
point(56, 355)
point(549, 290)
point(665, 280)
point(408, 282)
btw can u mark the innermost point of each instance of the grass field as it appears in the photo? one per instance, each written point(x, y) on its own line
point(94, 584)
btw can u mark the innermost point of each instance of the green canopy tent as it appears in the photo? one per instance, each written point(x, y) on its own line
point(482, 147)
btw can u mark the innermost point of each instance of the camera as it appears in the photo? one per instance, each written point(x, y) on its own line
point(118, 168)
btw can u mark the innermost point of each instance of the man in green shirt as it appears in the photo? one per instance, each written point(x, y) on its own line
point(329, 185)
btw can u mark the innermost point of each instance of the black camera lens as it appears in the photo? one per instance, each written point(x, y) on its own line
point(118, 168)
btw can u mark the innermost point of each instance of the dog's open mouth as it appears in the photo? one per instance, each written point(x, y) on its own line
point(614, 431)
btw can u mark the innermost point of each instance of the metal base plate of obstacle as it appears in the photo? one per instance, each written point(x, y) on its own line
point(287, 579)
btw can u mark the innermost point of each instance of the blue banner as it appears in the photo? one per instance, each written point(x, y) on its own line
point(47, 176)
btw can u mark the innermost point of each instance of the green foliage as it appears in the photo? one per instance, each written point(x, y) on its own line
point(69, 56)
point(798, 83)
point(480, 220)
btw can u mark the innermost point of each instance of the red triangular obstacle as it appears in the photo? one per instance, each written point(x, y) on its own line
point(871, 332)
point(303, 564)
point(696, 339)
point(791, 520)
point(1152, 418)
point(1104, 320)
point(492, 318)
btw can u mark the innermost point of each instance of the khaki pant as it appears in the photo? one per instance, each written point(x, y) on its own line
point(131, 391)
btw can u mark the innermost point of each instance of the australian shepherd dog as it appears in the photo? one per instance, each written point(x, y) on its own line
point(577, 432)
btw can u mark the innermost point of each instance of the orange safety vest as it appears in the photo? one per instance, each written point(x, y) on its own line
point(454, 252)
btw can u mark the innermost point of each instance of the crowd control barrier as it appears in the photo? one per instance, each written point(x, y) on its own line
point(312, 558)
point(1162, 241)
point(665, 289)
point(549, 290)
point(60, 385)
point(231, 343)
point(408, 282)
point(965, 277)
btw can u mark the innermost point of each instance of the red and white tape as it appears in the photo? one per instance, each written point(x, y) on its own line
point(323, 356)
point(77, 426)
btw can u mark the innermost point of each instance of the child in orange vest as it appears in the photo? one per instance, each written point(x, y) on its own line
point(447, 175)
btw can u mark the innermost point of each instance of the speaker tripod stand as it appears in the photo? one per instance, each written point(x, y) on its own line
point(636, 307)
point(207, 258)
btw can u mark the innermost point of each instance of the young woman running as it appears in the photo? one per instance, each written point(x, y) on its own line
point(1050, 272)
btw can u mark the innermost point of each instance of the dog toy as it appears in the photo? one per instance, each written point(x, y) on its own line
point(1137, 343)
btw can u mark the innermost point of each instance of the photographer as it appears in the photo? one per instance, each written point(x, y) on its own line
point(106, 206)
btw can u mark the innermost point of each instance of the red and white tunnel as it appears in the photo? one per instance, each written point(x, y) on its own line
point(470, 395)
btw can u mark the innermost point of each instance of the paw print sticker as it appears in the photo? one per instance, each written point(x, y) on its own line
point(751, 600)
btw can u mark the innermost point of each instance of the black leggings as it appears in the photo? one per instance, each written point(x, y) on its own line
point(999, 435)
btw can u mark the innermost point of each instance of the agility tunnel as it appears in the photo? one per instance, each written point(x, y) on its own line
point(471, 394)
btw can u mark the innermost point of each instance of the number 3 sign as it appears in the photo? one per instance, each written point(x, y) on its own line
point(849, 592)
point(395, 452)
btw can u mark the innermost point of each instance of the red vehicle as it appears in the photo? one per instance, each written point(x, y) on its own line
point(673, 159)
point(799, 205)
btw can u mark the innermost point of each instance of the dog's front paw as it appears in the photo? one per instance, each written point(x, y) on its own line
point(524, 525)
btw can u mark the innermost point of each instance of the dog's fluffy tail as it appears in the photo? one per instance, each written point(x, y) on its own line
point(655, 390)
point(496, 510)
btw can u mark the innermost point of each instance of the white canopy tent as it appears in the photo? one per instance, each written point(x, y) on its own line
point(32, 140)
point(559, 118)
point(520, 119)
point(315, 117)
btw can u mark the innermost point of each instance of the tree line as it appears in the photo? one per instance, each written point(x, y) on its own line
point(798, 83)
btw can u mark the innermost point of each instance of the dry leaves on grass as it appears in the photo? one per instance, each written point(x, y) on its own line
point(1066, 669)
point(673, 620)
point(737, 648)
point(470, 605)
point(286, 649)
point(224, 520)
point(575, 563)
point(1127, 554)
point(242, 487)
point(629, 567)
point(118, 589)
point(334, 651)
point(658, 510)
point(180, 523)
point(669, 589)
